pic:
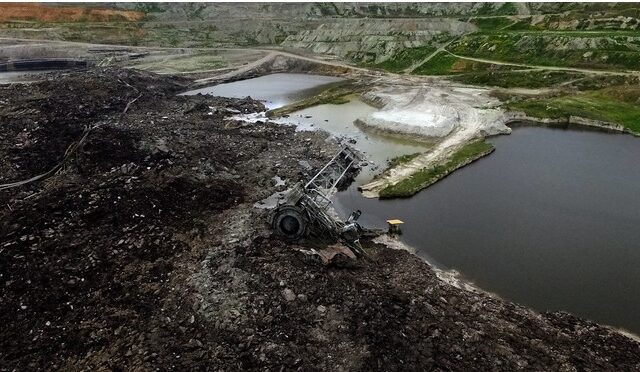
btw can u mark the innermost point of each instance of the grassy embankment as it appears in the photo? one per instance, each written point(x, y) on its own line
point(493, 23)
point(402, 159)
point(604, 44)
point(610, 51)
point(444, 63)
point(620, 105)
point(519, 79)
point(603, 50)
point(428, 176)
point(533, 79)
point(405, 58)
point(613, 99)
point(336, 94)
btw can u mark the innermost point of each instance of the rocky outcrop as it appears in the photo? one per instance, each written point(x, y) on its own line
point(570, 120)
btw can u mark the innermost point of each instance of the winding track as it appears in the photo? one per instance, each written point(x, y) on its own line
point(273, 53)
point(550, 68)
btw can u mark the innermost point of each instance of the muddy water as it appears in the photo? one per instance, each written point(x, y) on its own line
point(376, 147)
point(550, 220)
point(276, 90)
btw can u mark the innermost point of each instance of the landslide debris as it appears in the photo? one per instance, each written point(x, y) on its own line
point(143, 251)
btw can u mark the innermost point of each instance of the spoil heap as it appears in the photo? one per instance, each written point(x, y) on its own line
point(143, 250)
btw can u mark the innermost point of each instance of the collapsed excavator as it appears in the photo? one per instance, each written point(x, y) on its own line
point(305, 209)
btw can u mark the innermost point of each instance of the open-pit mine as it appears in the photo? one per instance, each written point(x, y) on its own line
point(320, 186)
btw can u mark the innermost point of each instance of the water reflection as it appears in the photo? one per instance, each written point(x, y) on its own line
point(275, 90)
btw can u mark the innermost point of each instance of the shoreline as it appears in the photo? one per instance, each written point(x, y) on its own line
point(334, 93)
point(390, 193)
point(572, 120)
point(354, 85)
point(373, 188)
point(456, 279)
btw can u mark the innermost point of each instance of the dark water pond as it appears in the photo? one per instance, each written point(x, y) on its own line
point(276, 90)
point(21, 76)
point(550, 220)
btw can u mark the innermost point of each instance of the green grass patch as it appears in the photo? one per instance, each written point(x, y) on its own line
point(619, 105)
point(336, 94)
point(602, 50)
point(428, 176)
point(405, 58)
point(507, 9)
point(519, 79)
point(441, 64)
point(524, 24)
point(402, 159)
point(489, 9)
point(620, 35)
point(493, 23)
point(444, 63)
point(595, 82)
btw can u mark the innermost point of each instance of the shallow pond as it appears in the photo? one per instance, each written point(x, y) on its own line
point(549, 220)
point(275, 90)
point(278, 90)
point(377, 147)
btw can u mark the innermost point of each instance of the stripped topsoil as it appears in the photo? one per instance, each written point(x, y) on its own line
point(143, 251)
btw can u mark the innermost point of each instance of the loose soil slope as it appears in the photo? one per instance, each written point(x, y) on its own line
point(144, 252)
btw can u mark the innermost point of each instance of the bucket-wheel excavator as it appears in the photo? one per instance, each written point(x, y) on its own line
point(304, 210)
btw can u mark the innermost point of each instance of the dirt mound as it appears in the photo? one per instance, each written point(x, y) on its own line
point(143, 251)
point(42, 123)
point(89, 252)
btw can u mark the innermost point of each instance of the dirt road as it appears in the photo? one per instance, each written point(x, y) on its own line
point(271, 54)
point(549, 68)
